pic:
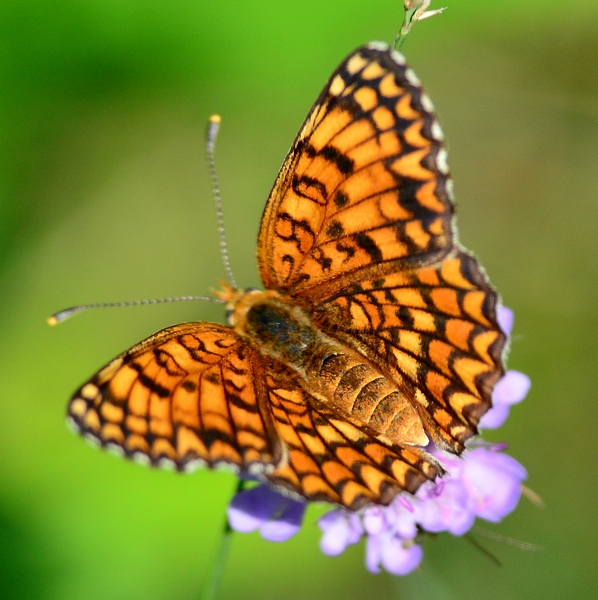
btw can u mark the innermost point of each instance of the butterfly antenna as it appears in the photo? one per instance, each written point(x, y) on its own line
point(212, 134)
point(497, 537)
point(65, 314)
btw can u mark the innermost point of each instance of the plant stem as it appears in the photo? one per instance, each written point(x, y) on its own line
point(405, 28)
point(210, 591)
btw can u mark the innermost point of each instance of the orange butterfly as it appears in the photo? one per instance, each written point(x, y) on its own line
point(376, 334)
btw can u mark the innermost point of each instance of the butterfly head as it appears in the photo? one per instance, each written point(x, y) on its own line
point(236, 300)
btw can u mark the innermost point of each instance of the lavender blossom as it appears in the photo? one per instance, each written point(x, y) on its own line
point(277, 517)
point(511, 389)
point(482, 483)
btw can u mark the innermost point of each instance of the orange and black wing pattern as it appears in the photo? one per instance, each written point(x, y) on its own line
point(190, 395)
point(358, 236)
point(329, 458)
point(360, 229)
point(365, 186)
point(195, 394)
point(434, 332)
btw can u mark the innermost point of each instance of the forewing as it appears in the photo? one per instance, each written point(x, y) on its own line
point(331, 459)
point(191, 394)
point(434, 332)
point(364, 187)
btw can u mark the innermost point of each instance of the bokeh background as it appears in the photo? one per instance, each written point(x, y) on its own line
point(105, 196)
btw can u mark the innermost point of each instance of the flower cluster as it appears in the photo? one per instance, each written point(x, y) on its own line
point(483, 483)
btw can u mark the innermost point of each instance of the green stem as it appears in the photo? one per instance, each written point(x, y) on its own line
point(210, 591)
point(405, 28)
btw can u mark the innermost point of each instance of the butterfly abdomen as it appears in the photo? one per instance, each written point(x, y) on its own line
point(347, 381)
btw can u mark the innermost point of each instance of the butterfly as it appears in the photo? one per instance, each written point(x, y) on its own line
point(376, 333)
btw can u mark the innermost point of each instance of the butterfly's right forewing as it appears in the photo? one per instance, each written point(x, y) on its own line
point(365, 187)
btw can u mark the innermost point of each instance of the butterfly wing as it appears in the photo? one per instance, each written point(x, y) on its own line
point(191, 394)
point(434, 331)
point(328, 458)
point(364, 187)
point(196, 394)
point(359, 230)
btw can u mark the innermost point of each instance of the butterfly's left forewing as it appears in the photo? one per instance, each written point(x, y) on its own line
point(191, 394)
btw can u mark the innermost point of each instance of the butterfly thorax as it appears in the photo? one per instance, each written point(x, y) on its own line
point(337, 376)
point(278, 328)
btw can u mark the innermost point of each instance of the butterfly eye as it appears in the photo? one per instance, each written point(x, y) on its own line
point(229, 316)
point(251, 289)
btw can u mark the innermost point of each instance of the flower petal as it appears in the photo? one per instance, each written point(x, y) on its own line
point(401, 518)
point(251, 508)
point(451, 510)
point(494, 483)
point(495, 417)
point(286, 523)
point(340, 530)
point(505, 318)
point(373, 553)
point(277, 516)
point(400, 558)
point(511, 389)
point(373, 520)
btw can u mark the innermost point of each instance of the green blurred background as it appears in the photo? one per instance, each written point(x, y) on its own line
point(105, 196)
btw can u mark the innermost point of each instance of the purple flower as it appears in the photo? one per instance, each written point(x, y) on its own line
point(506, 319)
point(511, 389)
point(396, 555)
point(341, 529)
point(493, 482)
point(277, 517)
point(482, 483)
